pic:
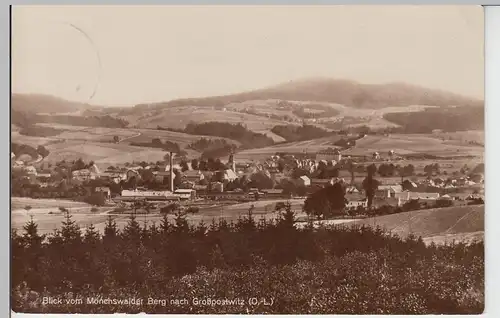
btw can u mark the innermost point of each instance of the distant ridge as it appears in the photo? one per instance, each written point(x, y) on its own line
point(345, 92)
point(41, 103)
point(337, 91)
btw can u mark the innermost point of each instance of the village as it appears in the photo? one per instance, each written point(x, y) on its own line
point(281, 177)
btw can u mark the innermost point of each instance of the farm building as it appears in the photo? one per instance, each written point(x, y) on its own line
point(355, 200)
point(422, 196)
point(329, 154)
point(185, 194)
point(133, 195)
point(353, 204)
point(388, 191)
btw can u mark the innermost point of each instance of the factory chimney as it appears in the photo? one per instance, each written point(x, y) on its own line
point(171, 171)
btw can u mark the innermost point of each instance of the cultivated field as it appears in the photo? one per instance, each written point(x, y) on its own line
point(405, 144)
point(96, 143)
point(32, 141)
point(464, 137)
point(179, 117)
point(126, 135)
point(310, 146)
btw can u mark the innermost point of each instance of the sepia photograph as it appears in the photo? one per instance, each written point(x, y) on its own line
point(231, 159)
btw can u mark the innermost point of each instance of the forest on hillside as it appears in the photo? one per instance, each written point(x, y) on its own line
point(448, 119)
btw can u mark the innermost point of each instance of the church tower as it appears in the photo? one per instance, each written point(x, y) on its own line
point(231, 162)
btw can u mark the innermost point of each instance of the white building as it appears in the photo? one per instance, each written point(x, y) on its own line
point(304, 181)
point(185, 194)
point(329, 154)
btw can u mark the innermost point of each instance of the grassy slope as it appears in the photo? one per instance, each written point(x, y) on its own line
point(437, 223)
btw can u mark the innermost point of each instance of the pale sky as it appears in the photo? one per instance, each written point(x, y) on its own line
point(159, 53)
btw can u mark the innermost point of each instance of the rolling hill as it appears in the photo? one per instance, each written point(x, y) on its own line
point(348, 93)
point(40, 103)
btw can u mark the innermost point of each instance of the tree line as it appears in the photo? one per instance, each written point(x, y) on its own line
point(238, 132)
point(299, 133)
point(332, 269)
point(448, 119)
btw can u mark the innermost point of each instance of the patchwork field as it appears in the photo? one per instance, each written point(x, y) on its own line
point(126, 135)
point(310, 146)
point(179, 117)
point(16, 137)
point(401, 144)
point(96, 143)
point(102, 153)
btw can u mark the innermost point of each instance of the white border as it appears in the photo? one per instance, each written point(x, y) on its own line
point(492, 161)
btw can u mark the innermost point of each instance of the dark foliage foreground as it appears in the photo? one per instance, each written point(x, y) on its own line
point(245, 267)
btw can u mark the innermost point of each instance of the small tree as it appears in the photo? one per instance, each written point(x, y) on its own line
point(91, 235)
point(110, 229)
point(28, 208)
point(132, 231)
point(195, 164)
point(31, 238)
point(70, 231)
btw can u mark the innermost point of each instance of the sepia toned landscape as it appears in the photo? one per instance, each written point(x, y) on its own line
point(310, 195)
